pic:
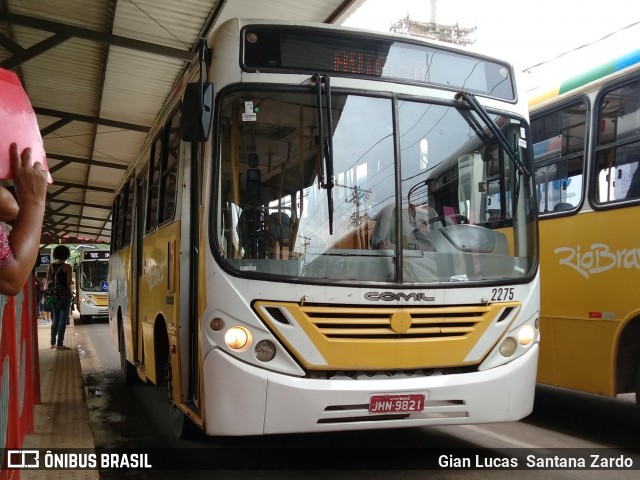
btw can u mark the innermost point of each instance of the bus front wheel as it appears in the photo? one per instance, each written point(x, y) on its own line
point(638, 391)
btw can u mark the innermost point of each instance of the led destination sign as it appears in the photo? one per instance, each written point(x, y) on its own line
point(95, 255)
point(268, 48)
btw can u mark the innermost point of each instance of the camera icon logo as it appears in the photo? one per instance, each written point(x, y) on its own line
point(23, 459)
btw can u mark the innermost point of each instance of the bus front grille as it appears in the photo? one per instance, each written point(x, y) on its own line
point(415, 323)
point(351, 338)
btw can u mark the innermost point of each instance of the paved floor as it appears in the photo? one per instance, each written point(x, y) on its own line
point(62, 419)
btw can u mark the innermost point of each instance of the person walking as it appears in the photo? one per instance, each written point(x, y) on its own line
point(60, 274)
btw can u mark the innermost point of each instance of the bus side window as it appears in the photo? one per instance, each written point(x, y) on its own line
point(618, 151)
point(559, 149)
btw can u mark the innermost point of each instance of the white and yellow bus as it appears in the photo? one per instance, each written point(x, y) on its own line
point(586, 137)
point(243, 276)
point(91, 270)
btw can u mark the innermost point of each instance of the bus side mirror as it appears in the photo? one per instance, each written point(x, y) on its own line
point(197, 110)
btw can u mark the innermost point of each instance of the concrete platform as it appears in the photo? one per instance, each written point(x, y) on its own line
point(62, 419)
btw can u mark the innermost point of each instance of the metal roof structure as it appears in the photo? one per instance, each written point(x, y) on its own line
point(97, 73)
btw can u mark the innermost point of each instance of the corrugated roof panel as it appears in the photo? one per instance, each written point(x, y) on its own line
point(61, 196)
point(5, 31)
point(91, 223)
point(74, 174)
point(105, 177)
point(117, 146)
point(87, 14)
point(97, 213)
point(57, 196)
point(100, 198)
point(136, 85)
point(74, 139)
point(279, 9)
point(165, 22)
point(64, 77)
point(67, 221)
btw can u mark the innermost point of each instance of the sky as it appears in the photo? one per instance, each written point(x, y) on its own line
point(527, 32)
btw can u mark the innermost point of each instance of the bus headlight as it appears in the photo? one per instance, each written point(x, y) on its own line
point(265, 351)
point(508, 347)
point(517, 341)
point(526, 335)
point(237, 338)
point(87, 300)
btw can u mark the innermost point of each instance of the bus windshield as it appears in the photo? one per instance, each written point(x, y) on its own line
point(93, 275)
point(467, 210)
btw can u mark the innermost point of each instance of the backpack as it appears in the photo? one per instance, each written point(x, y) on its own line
point(56, 294)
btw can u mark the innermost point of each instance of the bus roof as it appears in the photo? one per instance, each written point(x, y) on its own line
point(608, 68)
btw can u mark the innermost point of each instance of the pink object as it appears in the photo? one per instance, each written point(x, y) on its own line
point(5, 249)
point(18, 124)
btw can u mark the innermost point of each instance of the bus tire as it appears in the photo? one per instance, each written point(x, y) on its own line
point(127, 370)
point(638, 392)
point(183, 427)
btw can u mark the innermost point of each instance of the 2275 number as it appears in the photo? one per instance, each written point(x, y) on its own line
point(501, 294)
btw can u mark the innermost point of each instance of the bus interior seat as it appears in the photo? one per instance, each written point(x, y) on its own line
point(279, 233)
point(494, 214)
point(253, 183)
point(250, 221)
point(424, 214)
point(562, 207)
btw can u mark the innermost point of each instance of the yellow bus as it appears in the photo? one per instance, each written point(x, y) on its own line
point(243, 278)
point(586, 136)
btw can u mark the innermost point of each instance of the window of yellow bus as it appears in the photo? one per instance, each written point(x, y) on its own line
point(130, 189)
point(154, 185)
point(559, 144)
point(169, 174)
point(617, 172)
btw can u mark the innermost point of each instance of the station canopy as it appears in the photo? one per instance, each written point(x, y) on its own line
point(97, 74)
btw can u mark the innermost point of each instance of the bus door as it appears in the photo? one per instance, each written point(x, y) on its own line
point(189, 254)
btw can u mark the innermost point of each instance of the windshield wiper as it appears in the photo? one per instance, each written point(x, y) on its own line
point(495, 129)
point(327, 180)
point(475, 125)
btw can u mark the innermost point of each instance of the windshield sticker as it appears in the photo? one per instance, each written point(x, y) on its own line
point(249, 114)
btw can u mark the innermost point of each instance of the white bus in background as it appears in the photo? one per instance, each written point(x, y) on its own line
point(91, 285)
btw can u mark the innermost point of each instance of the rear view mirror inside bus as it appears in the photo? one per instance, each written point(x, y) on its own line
point(197, 109)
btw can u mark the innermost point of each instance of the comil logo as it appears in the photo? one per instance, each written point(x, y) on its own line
point(23, 459)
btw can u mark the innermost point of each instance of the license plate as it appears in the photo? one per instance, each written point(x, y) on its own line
point(404, 403)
